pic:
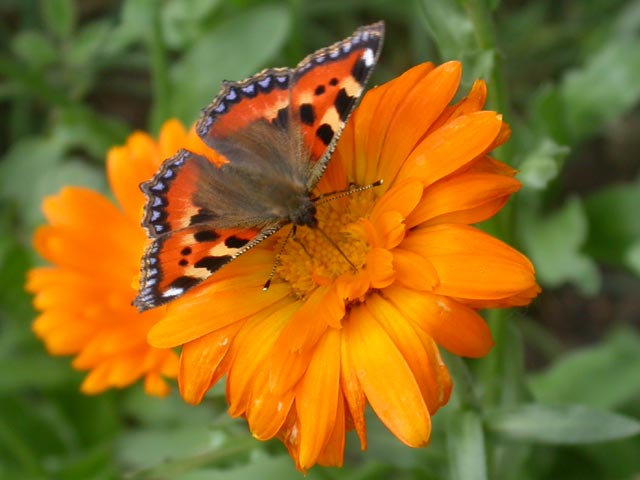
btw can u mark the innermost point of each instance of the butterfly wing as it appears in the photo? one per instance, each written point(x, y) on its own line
point(310, 103)
point(194, 232)
point(325, 88)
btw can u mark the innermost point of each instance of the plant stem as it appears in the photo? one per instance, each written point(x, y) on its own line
point(160, 75)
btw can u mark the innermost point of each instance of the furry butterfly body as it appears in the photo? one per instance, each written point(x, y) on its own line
point(277, 130)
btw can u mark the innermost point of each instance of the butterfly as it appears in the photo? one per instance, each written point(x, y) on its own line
point(277, 129)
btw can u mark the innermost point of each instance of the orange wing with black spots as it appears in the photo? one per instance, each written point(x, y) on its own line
point(277, 129)
point(192, 234)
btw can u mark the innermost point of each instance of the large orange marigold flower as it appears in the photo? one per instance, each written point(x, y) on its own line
point(304, 358)
point(94, 247)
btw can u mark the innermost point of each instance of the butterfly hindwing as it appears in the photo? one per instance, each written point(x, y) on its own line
point(175, 263)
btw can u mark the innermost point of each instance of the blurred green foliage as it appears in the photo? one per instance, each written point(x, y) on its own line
point(558, 398)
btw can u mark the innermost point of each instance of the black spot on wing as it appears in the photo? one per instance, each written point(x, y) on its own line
point(203, 216)
point(206, 236)
point(282, 118)
point(184, 283)
point(235, 242)
point(344, 104)
point(333, 82)
point(319, 90)
point(360, 71)
point(183, 262)
point(307, 115)
point(325, 133)
point(212, 263)
point(186, 251)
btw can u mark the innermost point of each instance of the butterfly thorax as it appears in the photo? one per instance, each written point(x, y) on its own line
point(305, 214)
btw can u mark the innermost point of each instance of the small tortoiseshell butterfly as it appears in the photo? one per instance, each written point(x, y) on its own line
point(277, 130)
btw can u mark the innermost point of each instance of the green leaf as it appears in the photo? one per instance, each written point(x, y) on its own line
point(184, 21)
point(233, 50)
point(34, 48)
point(632, 257)
point(561, 425)
point(614, 223)
point(465, 442)
point(554, 244)
point(543, 164)
point(59, 16)
point(35, 168)
point(604, 88)
point(615, 363)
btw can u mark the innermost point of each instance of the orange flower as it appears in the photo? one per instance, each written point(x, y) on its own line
point(304, 358)
point(95, 248)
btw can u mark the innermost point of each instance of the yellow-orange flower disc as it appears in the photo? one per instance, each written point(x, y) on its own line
point(304, 358)
point(94, 247)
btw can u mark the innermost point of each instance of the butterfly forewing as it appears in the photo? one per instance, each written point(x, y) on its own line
point(326, 86)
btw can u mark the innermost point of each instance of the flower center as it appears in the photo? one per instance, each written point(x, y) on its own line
point(309, 259)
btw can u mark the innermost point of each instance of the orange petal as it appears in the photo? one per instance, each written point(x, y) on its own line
point(177, 326)
point(250, 353)
point(128, 166)
point(267, 412)
point(370, 133)
point(462, 196)
point(451, 147)
point(353, 393)
point(401, 198)
point(403, 335)
point(456, 327)
point(387, 379)
point(317, 398)
point(419, 108)
point(473, 102)
point(332, 455)
point(380, 267)
point(414, 270)
point(472, 264)
point(200, 359)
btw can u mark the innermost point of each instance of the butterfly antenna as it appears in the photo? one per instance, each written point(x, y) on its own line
point(327, 197)
point(276, 263)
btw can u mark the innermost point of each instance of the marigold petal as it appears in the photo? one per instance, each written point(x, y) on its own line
point(387, 379)
point(390, 229)
point(451, 147)
point(462, 194)
point(456, 327)
point(369, 132)
point(380, 267)
point(414, 270)
point(332, 455)
point(472, 264)
point(317, 398)
point(353, 393)
point(419, 108)
point(200, 359)
point(267, 412)
point(401, 198)
point(128, 166)
point(403, 335)
point(250, 354)
point(177, 326)
point(473, 102)
point(155, 385)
